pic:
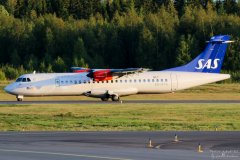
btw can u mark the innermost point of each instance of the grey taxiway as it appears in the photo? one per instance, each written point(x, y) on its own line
point(119, 145)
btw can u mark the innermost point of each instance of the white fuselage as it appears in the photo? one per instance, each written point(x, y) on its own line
point(63, 84)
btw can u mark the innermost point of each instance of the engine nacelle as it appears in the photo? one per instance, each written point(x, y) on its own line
point(101, 75)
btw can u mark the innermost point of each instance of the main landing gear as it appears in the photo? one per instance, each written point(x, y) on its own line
point(19, 98)
point(113, 97)
point(104, 99)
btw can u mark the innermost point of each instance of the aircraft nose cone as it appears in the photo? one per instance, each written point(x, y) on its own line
point(8, 89)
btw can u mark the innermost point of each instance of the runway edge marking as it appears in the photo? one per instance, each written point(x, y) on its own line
point(62, 154)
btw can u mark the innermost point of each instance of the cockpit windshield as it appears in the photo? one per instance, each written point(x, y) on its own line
point(19, 80)
point(23, 80)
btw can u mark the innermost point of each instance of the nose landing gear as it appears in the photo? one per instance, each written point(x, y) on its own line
point(19, 98)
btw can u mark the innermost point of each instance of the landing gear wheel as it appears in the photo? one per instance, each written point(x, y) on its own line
point(19, 99)
point(104, 99)
point(115, 98)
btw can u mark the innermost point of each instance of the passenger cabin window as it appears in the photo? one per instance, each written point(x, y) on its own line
point(28, 79)
point(24, 80)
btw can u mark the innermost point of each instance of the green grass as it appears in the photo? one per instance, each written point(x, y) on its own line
point(115, 117)
point(130, 117)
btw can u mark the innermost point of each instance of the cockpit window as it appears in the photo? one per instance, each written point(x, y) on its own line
point(23, 80)
point(19, 80)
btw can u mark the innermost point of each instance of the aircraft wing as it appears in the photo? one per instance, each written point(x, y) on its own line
point(128, 70)
point(107, 74)
point(110, 74)
point(79, 69)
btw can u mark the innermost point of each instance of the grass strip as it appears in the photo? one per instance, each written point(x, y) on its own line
point(120, 117)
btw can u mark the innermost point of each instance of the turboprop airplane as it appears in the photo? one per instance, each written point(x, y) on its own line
point(114, 83)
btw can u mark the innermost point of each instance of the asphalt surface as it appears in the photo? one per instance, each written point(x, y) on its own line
point(125, 101)
point(118, 145)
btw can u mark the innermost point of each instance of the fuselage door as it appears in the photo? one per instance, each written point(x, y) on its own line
point(174, 82)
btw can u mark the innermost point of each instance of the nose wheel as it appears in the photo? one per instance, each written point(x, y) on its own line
point(19, 98)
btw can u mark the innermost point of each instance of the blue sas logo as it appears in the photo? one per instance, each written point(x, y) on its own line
point(210, 64)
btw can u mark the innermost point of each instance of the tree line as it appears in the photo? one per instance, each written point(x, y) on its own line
point(53, 35)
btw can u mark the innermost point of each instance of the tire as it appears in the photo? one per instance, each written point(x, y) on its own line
point(19, 99)
point(104, 99)
point(115, 98)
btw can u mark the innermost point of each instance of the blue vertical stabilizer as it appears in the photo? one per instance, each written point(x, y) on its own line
point(210, 60)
